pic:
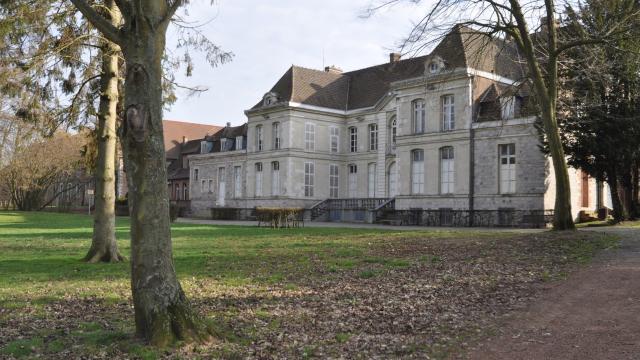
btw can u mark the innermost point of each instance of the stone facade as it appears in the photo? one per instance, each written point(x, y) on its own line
point(317, 145)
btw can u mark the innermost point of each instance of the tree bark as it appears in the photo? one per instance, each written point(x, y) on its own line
point(612, 179)
point(104, 247)
point(629, 206)
point(162, 312)
point(546, 92)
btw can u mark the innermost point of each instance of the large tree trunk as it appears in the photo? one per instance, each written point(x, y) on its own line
point(162, 312)
point(546, 91)
point(103, 245)
point(629, 206)
point(612, 179)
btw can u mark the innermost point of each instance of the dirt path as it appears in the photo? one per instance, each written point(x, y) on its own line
point(594, 314)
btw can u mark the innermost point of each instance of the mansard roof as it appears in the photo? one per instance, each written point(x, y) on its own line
point(462, 47)
point(229, 132)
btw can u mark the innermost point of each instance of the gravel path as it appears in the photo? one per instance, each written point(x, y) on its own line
point(594, 314)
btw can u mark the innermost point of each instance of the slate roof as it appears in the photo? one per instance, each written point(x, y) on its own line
point(462, 47)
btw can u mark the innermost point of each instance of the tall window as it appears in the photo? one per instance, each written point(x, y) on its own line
point(448, 113)
point(447, 170)
point(334, 181)
point(237, 181)
point(239, 142)
point(507, 168)
point(334, 139)
point(371, 176)
point(275, 178)
point(276, 135)
point(185, 192)
point(259, 138)
point(258, 179)
point(309, 175)
point(309, 137)
point(417, 172)
point(223, 144)
point(177, 192)
point(353, 139)
point(394, 131)
point(196, 172)
point(203, 186)
point(373, 137)
point(353, 180)
point(210, 186)
point(419, 116)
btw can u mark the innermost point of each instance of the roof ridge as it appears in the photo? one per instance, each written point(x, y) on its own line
point(385, 63)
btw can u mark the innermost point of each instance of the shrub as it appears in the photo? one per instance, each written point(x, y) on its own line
point(280, 217)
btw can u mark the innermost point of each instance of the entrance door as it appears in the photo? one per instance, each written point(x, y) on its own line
point(221, 186)
point(392, 175)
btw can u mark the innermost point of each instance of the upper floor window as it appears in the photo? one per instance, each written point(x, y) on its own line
point(309, 137)
point(334, 139)
point(275, 129)
point(448, 113)
point(507, 168)
point(434, 67)
point(417, 172)
point(394, 131)
point(205, 147)
point(353, 139)
point(259, 138)
point(239, 142)
point(447, 170)
point(373, 137)
point(196, 172)
point(419, 116)
point(508, 107)
point(223, 144)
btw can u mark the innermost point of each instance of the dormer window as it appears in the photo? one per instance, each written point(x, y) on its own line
point(270, 98)
point(435, 65)
point(223, 144)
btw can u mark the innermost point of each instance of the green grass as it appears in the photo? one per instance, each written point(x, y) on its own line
point(41, 267)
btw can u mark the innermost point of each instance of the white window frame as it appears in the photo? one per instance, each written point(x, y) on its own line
point(334, 139)
point(373, 137)
point(417, 171)
point(275, 129)
point(418, 107)
point(239, 142)
point(223, 143)
point(448, 113)
point(258, 169)
point(334, 181)
point(309, 179)
point(259, 140)
point(372, 180)
point(507, 168)
point(353, 139)
point(353, 180)
point(237, 181)
point(508, 107)
point(310, 137)
point(275, 178)
point(447, 170)
point(394, 131)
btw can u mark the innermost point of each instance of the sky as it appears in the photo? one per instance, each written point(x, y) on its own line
point(268, 36)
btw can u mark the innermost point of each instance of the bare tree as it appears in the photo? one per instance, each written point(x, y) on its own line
point(540, 48)
point(34, 172)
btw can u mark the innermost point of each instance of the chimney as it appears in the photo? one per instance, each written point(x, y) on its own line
point(228, 124)
point(394, 57)
point(333, 69)
point(184, 139)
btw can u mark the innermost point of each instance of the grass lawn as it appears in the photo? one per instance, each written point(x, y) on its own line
point(289, 293)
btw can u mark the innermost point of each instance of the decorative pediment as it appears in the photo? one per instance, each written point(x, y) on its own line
point(269, 98)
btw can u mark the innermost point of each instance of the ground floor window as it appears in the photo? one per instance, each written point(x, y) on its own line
point(309, 179)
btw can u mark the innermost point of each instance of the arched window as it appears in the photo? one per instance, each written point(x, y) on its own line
point(419, 116)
